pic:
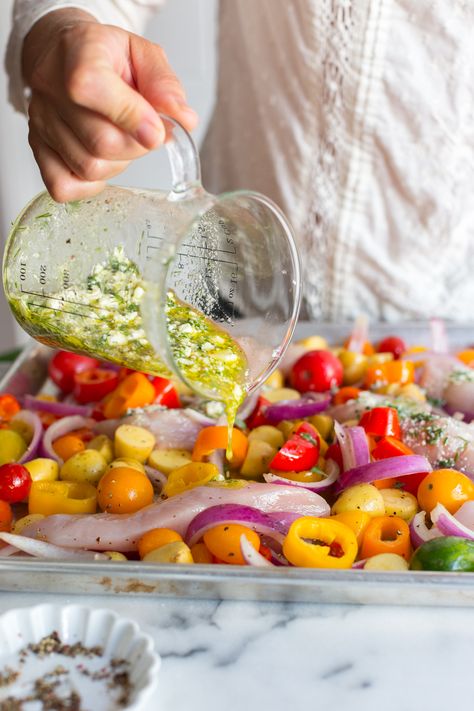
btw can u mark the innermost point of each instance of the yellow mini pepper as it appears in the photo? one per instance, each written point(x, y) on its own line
point(320, 543)
point(62, 497)
point(188, 477)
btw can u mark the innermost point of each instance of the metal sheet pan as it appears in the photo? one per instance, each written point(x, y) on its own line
point(28, 374)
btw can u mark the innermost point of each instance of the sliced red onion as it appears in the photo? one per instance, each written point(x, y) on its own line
point(385, 469)
point(217, 458)
point(309, 404)
point(448, 524)
point(439, 338)
point(251, 556)
point(61, 409)
point(59, 429)
point(41, 549)
point(419, 531)
point(317, 486)
point(359, 564)
point(156, 477)
point(354, 446)
point(465, 514)
point(32, 420)
point(359, 335)
point(233, 513)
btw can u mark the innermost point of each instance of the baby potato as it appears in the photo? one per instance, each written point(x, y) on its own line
point(12, 446)
point(278, 394)
point(43, 469)
point(258, 458)
point(399, 503)
point(266, 433)
point(288, 427)
point(25, 521)
point(324, 424)
point(126, 462)
point(386, 561)
point(361, 497)
point(175, 552)
point(134, 442)
point(167, 460)
point(86, 466)
point(104, 445)
point(275, 380)
point(115, 555)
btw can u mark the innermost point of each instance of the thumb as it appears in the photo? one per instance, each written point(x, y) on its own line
point(158, 84)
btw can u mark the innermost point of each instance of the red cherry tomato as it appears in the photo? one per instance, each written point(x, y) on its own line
point(15, 483)
point(316, 371)
point(299, 453)
point(64, 365)
point(392, 344)
point(94, 384)
point(257, 418)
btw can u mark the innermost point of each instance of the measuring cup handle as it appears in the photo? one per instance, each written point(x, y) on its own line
point(183, 157)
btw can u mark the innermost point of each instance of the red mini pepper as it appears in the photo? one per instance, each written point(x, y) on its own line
point(390, 447)
point(94, 384)
point(381, 422)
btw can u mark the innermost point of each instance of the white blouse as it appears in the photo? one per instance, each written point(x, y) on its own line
point(357, 118)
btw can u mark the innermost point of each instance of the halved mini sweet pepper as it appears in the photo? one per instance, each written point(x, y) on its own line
point(62, 497)
point(314, 542)
point(217, 437)
point(189, 476)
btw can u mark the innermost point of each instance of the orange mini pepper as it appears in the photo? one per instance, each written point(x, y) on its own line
point(386, 534)
point(394, 371)
point(217, 437)
point(135, 390)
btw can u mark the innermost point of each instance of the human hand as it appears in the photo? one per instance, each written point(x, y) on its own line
point(95, 94)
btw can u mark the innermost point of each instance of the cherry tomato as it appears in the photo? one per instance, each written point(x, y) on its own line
point(15, 483)
point(296, 455)
point(445, 486)
point(68, 445)
point(223, 541)
point(6, 516)
point(156, 538)
point(124, 490)
point(94, 384)
point(257, 418)
point(64, 365)
point(392, 344)
point(316, 371)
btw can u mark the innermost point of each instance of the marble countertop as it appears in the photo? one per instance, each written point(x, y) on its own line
point(229, 656)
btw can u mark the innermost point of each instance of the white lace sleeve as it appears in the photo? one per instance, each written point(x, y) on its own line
point(128, 14)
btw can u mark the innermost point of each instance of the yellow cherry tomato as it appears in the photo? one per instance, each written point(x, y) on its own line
point(445, 486)
point(154, 539)
point(223, 541)
point(124, 490)
point(201, 554)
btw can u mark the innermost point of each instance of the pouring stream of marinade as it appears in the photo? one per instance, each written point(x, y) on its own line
point(208, 358)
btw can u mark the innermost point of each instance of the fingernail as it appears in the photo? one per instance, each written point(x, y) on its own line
point(150, 134)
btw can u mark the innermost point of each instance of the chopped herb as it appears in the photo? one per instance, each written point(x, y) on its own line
point(309, 438)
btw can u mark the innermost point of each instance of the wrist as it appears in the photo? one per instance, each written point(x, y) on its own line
point(38, 40)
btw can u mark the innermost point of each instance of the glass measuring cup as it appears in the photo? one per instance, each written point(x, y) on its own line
point(95, 276)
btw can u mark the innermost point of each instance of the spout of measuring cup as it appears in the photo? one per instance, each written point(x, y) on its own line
point(184, 160)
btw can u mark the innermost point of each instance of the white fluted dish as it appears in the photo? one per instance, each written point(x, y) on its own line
point(119, 637)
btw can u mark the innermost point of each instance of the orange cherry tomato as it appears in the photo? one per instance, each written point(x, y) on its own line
point(445, 486)
point(68, 445)
point(6, 516)
point(124, 490)
point(223, 541)
point(467, 357)
point(156, 538)
point(201, 554)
